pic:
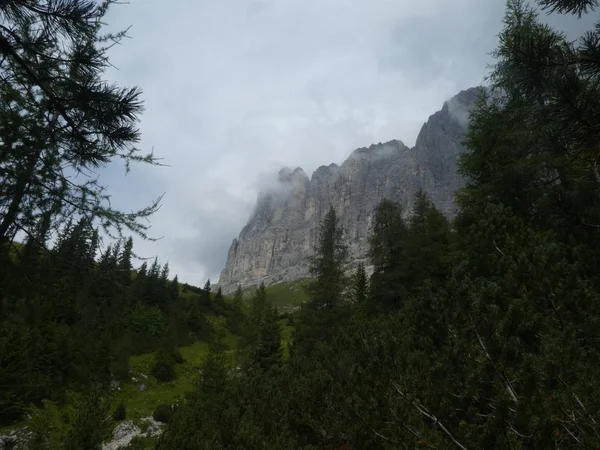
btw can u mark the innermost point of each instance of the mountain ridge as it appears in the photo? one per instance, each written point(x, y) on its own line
point(276, 243)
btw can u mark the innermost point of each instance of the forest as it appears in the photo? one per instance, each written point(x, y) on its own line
point(476, 332)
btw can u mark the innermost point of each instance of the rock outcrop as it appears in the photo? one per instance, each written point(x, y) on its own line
point(127, 430)
point(279, 238)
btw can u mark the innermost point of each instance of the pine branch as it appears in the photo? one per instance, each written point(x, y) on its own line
point(578, 7)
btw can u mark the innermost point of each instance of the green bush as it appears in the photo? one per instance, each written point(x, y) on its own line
point(177, 356)
point(120, 413)
point(163, 370)
point(141, 443)
point(91, 423)
point(163, 413)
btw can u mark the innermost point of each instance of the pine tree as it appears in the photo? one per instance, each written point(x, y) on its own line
point(125, 265)
point(174, 290)
point(236, 319)
point(91, 424)
point(429, 244)
point(238, 298)
point(268, 353)
point(205, 297)
point(220, 306)
point(328, 264)
point(325, 310)
point(200, 422)
point(389, 255)
point(262, 333)
point(360, 290)
point(525, 225)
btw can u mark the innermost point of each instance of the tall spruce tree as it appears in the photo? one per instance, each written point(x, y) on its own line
point(429, 243)
point(261, 345)
point(235, 320)
point(360, 290)
point(388, 253)
point(325, 310)
point(327, 266)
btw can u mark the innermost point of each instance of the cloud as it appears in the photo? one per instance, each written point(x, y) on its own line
point(235, 89)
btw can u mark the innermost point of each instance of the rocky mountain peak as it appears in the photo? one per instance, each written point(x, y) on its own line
point(287, 175)
point(280, 236)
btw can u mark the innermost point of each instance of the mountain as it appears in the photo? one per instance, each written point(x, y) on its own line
point(279, 238)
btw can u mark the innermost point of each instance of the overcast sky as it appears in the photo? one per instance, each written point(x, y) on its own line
point(236, 89)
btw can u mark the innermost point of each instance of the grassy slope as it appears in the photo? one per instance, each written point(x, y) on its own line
point(142, 403)
point(284, 296)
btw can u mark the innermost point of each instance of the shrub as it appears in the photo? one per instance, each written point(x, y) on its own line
point(163, 413)
point(120, 413)
point(91, 424)
point(141, 443)
point(177, 356)
point(163, 368)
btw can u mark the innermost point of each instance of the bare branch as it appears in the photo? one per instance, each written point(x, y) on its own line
point(507, 383)
point(435, 420)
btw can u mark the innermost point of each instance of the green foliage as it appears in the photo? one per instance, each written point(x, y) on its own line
point(236, 320)
point(327, 307)
point(389, 256)
point(163, 368)
point(200, 421)
point(47, 427)
point(91, 424)
point(86, 425)
point(490, 333)
point(360, 291)
point(64, 134)
point(81, 322)
point(261, 339)
point(120, 412)
point(148, 326)
point(15, 344)
point(327, 265)
point(484, 334)
point(163, 413)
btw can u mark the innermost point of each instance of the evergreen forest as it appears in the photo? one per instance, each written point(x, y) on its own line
point(480, 331)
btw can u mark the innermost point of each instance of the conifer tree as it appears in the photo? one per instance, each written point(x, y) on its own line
point(220, 306)
point(54, 57)
point(360, 290)
point(262, 332)
point(325, 310)
point(205, 297)
point(389, 255)
point(429, 244)
point(174, 290)
point(125, 265)
point(235, 320)
point(328, 264)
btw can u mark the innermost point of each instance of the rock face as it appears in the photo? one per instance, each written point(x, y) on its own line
point(279, 238)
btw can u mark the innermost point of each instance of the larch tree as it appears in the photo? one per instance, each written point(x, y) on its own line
point(61, 121)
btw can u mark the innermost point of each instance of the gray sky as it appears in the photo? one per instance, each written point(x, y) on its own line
point(235, 89)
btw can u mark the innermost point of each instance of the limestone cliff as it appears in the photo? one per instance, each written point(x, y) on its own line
point(279, 238)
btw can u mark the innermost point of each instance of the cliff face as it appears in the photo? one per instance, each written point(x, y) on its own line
point(279, 238)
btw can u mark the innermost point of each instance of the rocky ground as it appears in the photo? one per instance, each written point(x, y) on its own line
point(127, 430)
point(122, 435)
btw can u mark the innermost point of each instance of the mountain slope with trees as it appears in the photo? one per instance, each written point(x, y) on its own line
point(483, 333)
point(478, 333)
